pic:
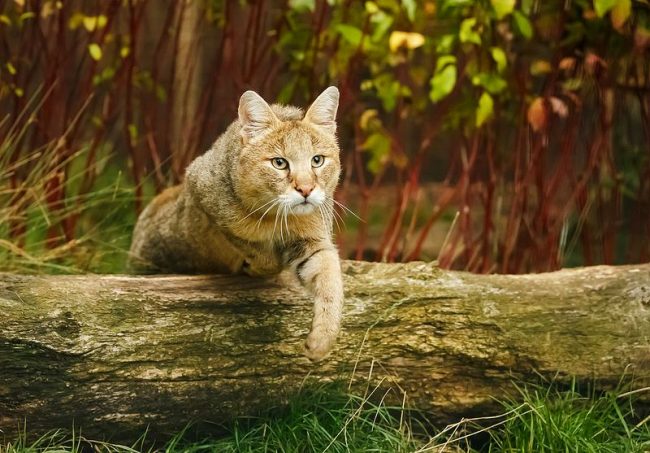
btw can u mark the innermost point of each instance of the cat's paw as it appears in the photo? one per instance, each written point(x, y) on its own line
point(319, 344)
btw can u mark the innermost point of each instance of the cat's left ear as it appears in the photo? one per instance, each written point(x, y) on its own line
point(255, 116)
point(322, 112)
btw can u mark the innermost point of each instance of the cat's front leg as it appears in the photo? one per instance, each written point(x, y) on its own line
point(319, 270)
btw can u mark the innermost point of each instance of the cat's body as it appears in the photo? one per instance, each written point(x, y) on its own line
point(260, 201)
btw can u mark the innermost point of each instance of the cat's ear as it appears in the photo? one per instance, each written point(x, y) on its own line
point(322, 112)
point(255, 115)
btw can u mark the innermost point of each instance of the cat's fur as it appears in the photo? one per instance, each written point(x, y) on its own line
point(236, 212)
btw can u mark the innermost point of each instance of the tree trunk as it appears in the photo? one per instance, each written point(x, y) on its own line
point(113, 354)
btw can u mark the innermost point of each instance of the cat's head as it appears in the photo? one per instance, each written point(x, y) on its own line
point(288, 162)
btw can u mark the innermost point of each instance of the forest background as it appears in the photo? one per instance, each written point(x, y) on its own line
point(492, 135)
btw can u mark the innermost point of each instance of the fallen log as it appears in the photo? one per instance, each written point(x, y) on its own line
point(113, 354)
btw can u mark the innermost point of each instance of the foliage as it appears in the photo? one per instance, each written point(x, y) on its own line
point(531, 117)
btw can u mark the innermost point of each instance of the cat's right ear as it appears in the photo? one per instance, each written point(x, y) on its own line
point(255, 116)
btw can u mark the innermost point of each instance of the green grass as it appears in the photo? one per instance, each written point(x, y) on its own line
point(552, 421)
point(99, 197)
point(324, 418)
point(327, 418)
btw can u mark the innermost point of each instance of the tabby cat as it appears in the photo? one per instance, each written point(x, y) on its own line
point(259, 201)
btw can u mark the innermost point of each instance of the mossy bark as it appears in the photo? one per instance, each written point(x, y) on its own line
point(113, 354)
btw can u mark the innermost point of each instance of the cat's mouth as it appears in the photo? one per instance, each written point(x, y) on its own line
point(304, 207)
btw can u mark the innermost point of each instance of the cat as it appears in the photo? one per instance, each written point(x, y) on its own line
point(259, 201)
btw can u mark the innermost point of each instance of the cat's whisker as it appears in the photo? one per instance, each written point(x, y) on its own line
point(287, 211)
point(325, 217)
point(282, 214)
point(275, 224)
point(336, 216)
point(338, 203)
point(257, 209)
point(259, 222)
point(322, 215)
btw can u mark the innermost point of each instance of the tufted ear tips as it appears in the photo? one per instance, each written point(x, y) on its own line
point(322, 112)
point(255, 116)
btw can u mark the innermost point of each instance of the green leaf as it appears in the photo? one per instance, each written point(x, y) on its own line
point(302, 5)
point(491, 82)
point(95, 51)
point(382, 22)
point(467, 32)
point(108, 73)
point(527, 6)
point(133, 132)
point(388, 90)
point(28, 15)
point(442, 83)
point(523, 25)
point(499, 57)
point(503, 7)
point(602, 6)
point(371, 7)
point(484, 110)
point(573, 84)
point(75, 21)
point(378, 146)
point(444, 60)
point(445, 43)
point(350, 33)
point(409, 6)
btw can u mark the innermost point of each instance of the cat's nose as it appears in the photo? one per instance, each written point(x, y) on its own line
point(304, 189)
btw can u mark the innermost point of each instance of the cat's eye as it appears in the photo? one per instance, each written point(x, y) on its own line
point(280, 163)
point(317, 160)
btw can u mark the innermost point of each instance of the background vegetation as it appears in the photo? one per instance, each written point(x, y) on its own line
point(494, 135)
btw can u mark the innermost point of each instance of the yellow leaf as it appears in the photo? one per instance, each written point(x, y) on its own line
point(410, 40)
point(5, 19)
point(620, 13)
point(90, 22)
point(567, 63)
point(124, 52)
point(366, 117)
point(19, 92)
point(95, 51)
point(537, 114)
point(48, 9)
point(539, 67)
point(101, 21)
point(11, 68)
point(75, 21)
